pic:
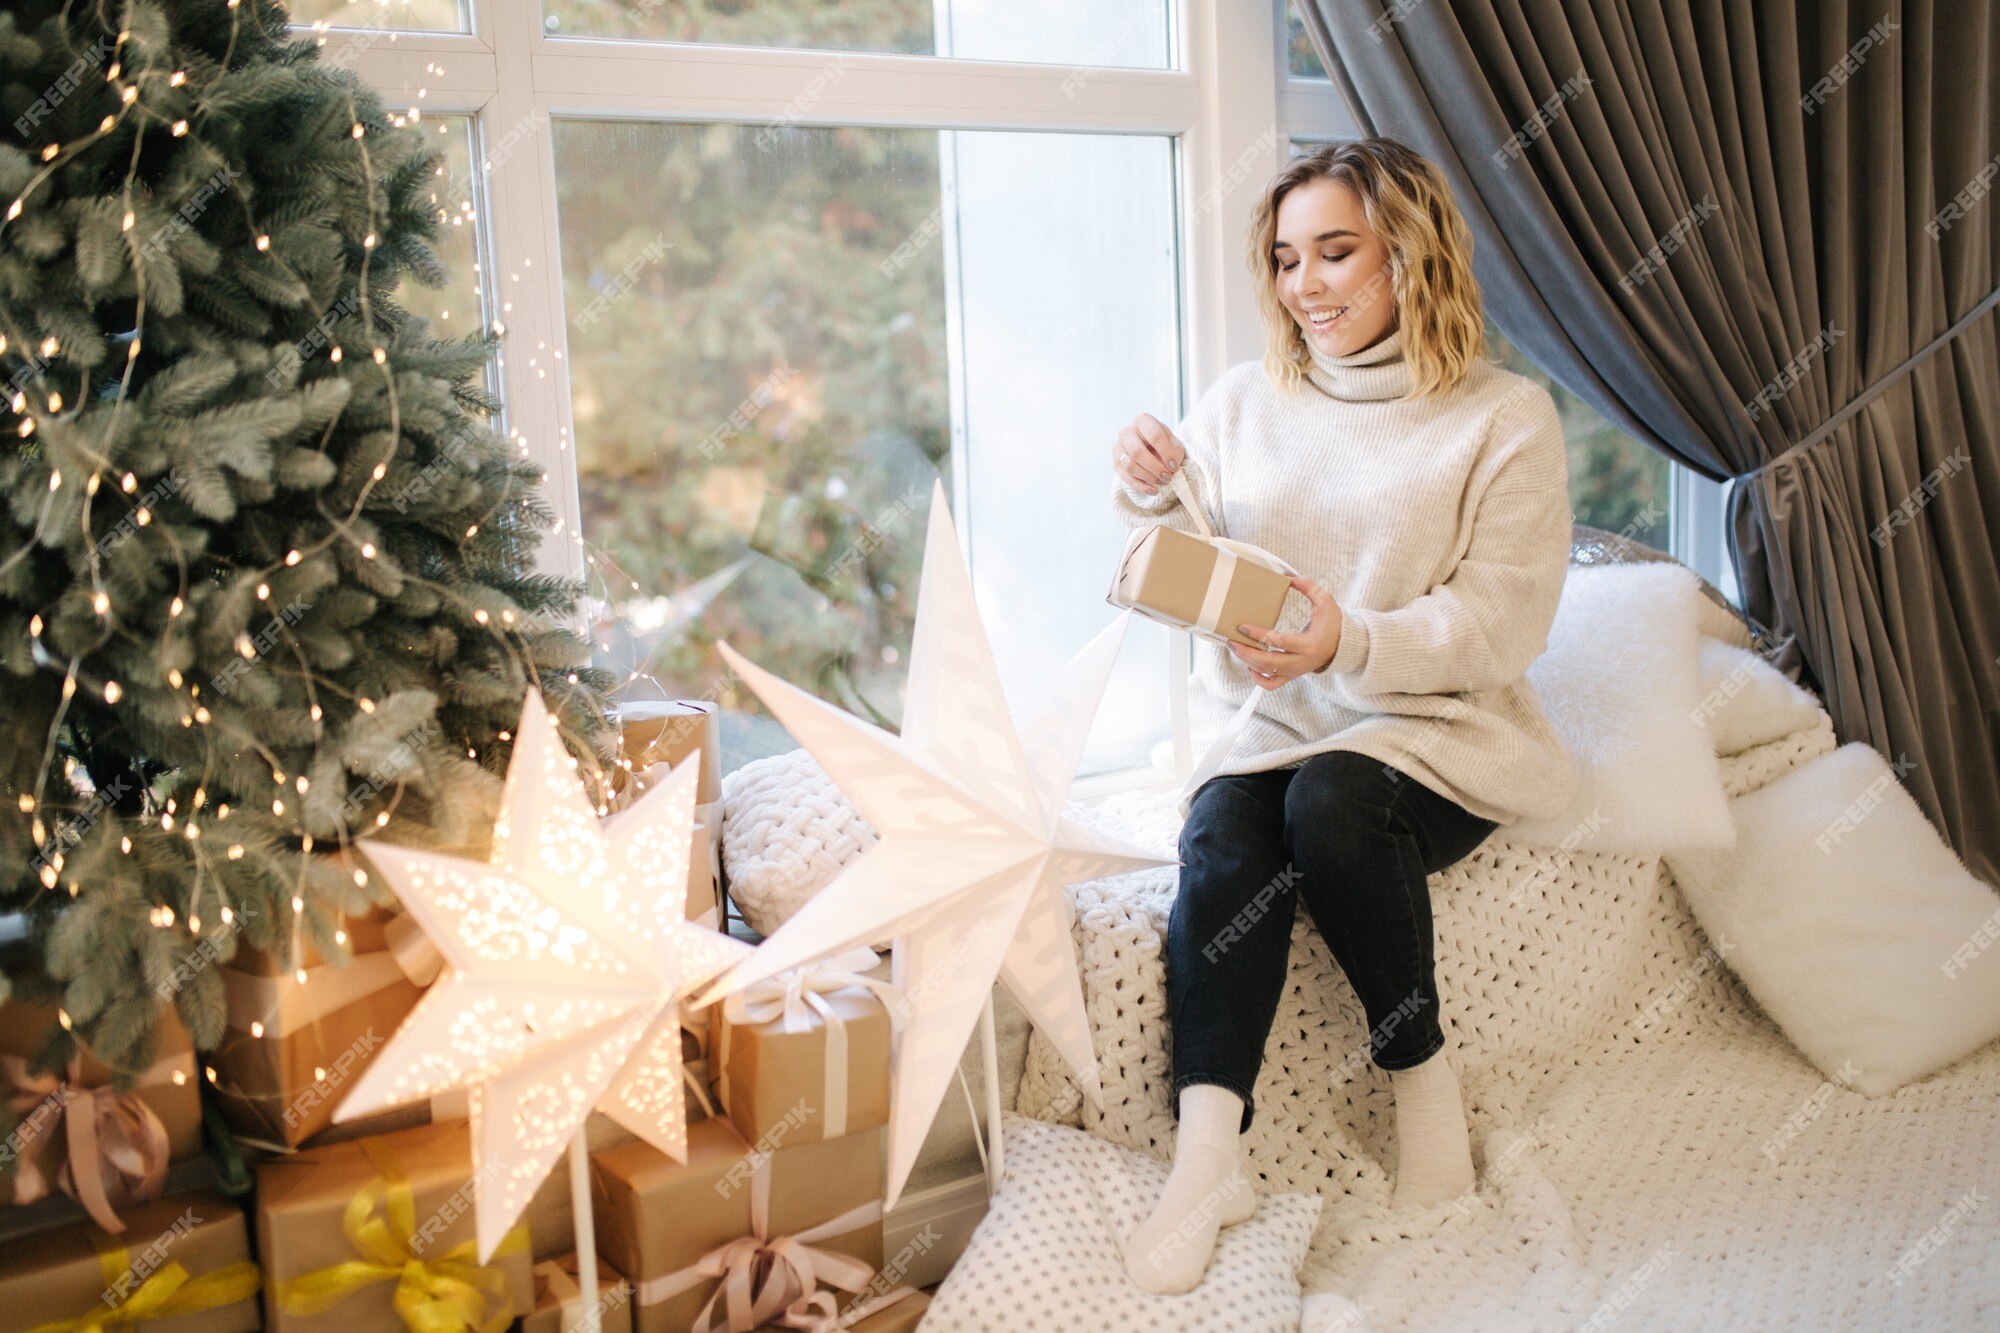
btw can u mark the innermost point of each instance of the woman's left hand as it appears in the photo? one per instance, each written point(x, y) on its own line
point(1293, 655)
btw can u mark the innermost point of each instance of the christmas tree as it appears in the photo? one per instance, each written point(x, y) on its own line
point(266, 565)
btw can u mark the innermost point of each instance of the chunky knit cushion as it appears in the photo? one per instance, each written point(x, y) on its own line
point(1049, 1254)
point(786, 832)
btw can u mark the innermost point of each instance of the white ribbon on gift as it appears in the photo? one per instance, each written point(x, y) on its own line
point(283, 1004)
point(795, 996)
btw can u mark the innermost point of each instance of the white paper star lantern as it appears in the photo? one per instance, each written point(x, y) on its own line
point(973, 854)
point(567, 955)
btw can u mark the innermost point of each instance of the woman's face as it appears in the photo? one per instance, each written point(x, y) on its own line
point(1333, 270)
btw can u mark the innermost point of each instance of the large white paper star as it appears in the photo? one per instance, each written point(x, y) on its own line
point(567, 954)
point(974, 851)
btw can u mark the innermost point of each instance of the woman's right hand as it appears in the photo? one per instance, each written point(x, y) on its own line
point(1147, 455)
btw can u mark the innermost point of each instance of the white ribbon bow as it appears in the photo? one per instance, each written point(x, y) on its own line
point(797, 995)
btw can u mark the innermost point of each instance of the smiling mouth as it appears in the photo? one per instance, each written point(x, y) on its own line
point(1329, 316)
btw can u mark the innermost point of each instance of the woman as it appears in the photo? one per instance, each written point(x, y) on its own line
point(1425, 491)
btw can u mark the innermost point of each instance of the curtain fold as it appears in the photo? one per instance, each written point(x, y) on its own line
point(1722, 225)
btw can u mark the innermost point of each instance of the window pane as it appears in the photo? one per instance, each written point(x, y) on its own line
point(1104, 33)
point(779, 339)
point(1615, 482)
point(408, 15)
point(1301, 58)
point(455, 309)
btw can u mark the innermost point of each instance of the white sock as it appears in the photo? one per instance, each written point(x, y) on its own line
point(1207, 1191)
point(1433, 1146)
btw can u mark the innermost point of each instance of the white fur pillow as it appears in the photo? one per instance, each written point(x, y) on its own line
point(1619, 682)
point(1050, 1252)
point(1745, 701)
point(786, 832)
point(1857, 929)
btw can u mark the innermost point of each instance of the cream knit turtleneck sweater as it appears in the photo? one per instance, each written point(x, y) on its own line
point(1440, 525)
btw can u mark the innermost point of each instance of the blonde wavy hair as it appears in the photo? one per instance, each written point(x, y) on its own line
point(1409, 205)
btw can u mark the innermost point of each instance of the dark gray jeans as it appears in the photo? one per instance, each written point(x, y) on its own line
point(1356, 839)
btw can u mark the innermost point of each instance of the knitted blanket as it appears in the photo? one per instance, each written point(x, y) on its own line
point(1652, 1153)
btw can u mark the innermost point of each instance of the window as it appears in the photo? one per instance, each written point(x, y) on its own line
point(1301, 61)
point(780, 339)
point(457, 308)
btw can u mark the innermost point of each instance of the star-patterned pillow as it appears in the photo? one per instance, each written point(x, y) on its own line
point(1049, 1255)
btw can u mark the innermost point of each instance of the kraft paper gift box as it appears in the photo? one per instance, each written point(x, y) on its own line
point(667, 731)
point(332, 1269)
point(127, 1138)
point(182, 1265)
point(805, 1055)
point(678, 1231)
point(1200, 586)
point(291, 1048)
point(559, 1304)
point(1206, 585)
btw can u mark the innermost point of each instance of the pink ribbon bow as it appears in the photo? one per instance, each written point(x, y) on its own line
point(113, 1146)
point(787, 1280)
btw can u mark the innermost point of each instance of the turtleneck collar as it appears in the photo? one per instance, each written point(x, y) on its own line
point(1369, 375)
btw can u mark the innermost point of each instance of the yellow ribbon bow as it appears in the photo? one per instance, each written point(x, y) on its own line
point(445, 1294)
point(168, 1293)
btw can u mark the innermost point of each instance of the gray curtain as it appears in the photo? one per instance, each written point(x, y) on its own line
point(1761, 237)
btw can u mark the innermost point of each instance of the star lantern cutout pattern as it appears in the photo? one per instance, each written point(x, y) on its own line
point(973, 850)
point(567, 955)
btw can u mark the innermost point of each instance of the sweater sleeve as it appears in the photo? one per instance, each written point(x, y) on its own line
point(1490, 618)
point(1198, 432)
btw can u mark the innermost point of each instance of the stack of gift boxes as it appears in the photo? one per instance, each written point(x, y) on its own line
point(91, 1230)
point(774, 1220)
point(777, 1212)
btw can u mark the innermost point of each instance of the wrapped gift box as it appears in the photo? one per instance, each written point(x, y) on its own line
point(137, 1132)
point(667, 731)
point(802, 1059)
point(559, 1304)
point(1205, 586)
point(655, 736)
point(318, 1280)
point(658, 1219)
point(292, 1049)
point(185, 1258)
